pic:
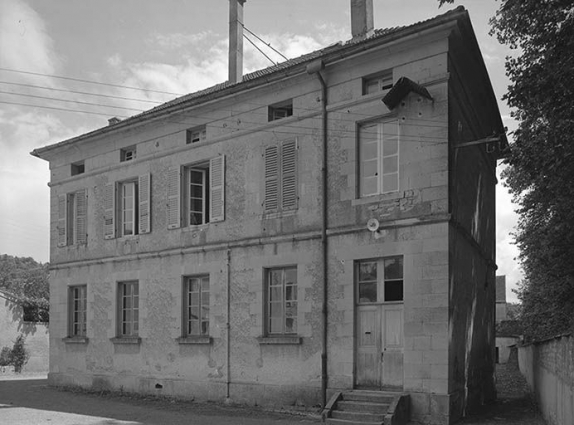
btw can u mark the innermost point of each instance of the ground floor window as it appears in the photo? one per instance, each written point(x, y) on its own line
point(128, 309)
point(77, 311)
point(196, 306)
point(281, 305)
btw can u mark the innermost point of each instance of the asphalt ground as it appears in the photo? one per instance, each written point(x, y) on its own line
point(27, 400)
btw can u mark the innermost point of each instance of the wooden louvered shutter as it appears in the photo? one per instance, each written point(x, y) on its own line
point(173, 198)
point(217, 189)
point(271, 196)
point(109, 211)
point(81, 216)
point(62, 222)
point(289, 174)
point(144, 208)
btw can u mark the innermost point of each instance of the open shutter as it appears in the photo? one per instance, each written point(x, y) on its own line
point(62, 210)
point(289, 174)
point(144, 187)
point(271, 196)
point(81, 216)
point(109, 211)
point(217, 189)
point(173, 198)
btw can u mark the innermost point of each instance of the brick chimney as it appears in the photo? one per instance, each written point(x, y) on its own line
point(236, 40)
point(362, 24)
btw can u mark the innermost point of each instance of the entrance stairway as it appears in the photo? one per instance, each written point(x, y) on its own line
point(361, 407)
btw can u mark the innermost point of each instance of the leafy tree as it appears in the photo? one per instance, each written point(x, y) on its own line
point(28, 280)
point(540, 169)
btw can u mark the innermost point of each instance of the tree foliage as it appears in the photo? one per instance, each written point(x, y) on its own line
point(28, 281)
point(540, 169)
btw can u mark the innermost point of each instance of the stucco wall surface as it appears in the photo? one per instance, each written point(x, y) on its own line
point(548, 366)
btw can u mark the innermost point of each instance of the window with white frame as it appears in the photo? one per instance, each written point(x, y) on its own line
point(195, 135)
point(77, 308)
point(128, 309)
point(128, 154)
point(196, 193)
point(280, 110)
point(127, 208)
point(196, 306)
point(72, 218)
point(379, 158)
point(280, 185)
point(378, 82)
point(379, 280)
point(281, 303)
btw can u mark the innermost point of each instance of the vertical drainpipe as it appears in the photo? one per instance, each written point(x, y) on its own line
point(228, 325)
point(315, 68)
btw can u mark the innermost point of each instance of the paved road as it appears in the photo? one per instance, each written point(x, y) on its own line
point(32, 402)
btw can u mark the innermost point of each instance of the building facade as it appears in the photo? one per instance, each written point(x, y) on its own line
point(324, 224)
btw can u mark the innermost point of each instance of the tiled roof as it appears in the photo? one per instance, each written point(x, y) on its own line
point(264, 74)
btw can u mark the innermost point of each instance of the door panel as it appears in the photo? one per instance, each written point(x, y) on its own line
point(368, 346)
point(392, 347)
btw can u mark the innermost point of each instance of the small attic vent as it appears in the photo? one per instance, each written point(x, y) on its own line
point(113, 121)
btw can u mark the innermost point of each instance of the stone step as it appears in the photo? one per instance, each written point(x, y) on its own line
point(362, 406)
point(370, 396)
point(333, 421)
point(371, 418)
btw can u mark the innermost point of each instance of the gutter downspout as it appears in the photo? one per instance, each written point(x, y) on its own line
point(315, 68)
point(228, 326)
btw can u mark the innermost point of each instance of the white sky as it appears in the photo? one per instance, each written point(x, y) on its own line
point(175, 46)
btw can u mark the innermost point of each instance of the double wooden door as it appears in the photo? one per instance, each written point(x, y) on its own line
point(379, 346)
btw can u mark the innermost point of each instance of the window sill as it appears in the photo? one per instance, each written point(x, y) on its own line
point(192, 340)
point(278, 214)
point(377, 198)
point(280, 340)
point(75, 340)
point(126, 340)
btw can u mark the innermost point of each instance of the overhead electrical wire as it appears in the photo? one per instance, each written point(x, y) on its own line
point(260, 51)
point(62, 109)
point(263, 41)
point(89, 82)
point(81, 92)
point(70, 101)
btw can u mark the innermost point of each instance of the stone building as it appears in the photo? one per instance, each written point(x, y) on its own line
point(322, 225)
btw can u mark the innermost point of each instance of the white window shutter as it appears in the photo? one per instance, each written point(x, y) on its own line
point(173, 198)
point(217, 189)
point(62, 227)
point(271, 196)
point(109, 211)
point(144, 188)
point(289, 174)
point(81, 217)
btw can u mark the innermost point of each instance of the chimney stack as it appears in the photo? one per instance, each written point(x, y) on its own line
point(236, 40)
point(362, 24)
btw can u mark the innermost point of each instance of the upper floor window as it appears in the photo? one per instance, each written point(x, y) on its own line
point(195, 135)
point(77, 311)
point(379, 158)
point(281, 304)
point(378, 82)
point(380, 280)
point(72, 218)
point(280, 185)
point(280, 110)
point(127, 154)
point(196, 306)
point(196, 193)
point(127, 207)
point(77, 168)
